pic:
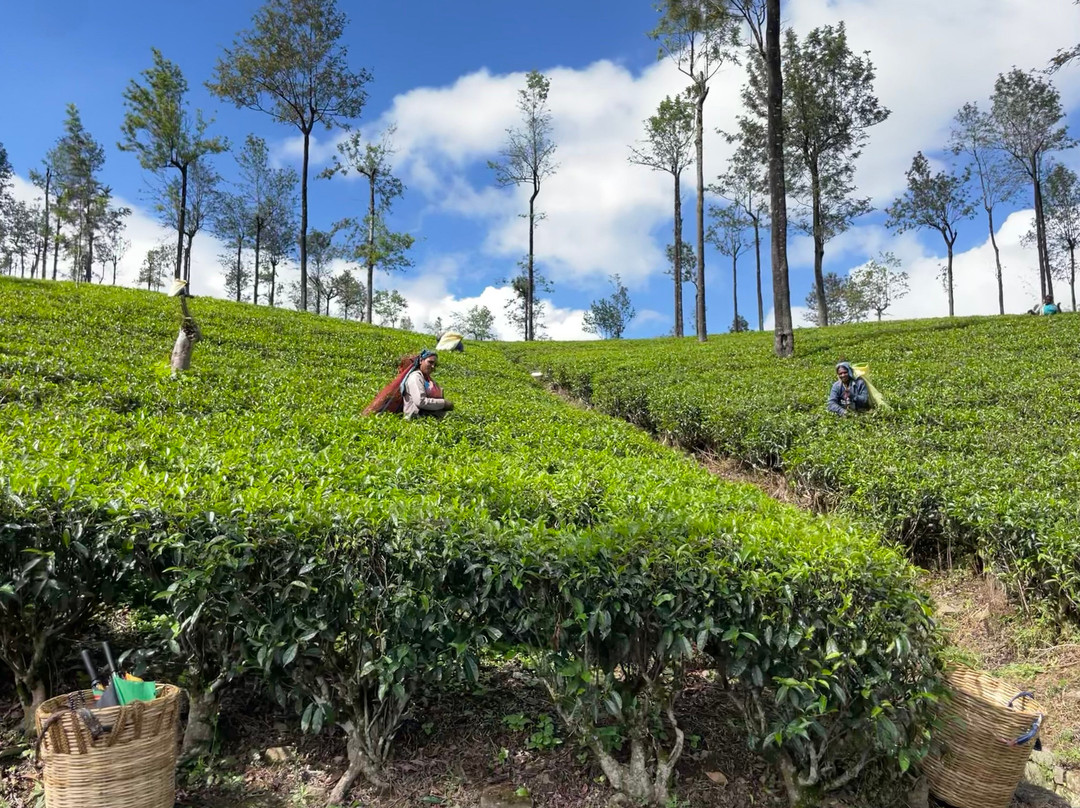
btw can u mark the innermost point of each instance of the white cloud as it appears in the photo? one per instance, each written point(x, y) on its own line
point(604, 215)
point(429, 298)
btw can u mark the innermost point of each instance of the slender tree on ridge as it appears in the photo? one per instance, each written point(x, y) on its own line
point(666, 147)
point(829, 103)
point(528, 158)
point(728, 234)
point(1063, 218)
point(973, 136)
point(1027, 115)
point(746, 185)
point(371, 241)
point(293, 66)
point(158, 129)
point(934, 202)
point(762, 18)
point(698, 36)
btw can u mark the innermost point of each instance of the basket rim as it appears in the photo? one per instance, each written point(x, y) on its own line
point(996, 695)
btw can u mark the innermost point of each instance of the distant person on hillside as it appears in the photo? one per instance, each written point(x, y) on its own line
point(849, 394)
point(1049, 306)
point(420, 395)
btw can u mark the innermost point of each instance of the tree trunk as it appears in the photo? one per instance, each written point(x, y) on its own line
point(56, 245)
point(1072, 274)
point(784, 340)
point(258, 238)
point(303, 222)
point(948, 275)
point(361, 763)
point(735, 288)
point(202, 718)
point(114, 272)
point(1046, 283)
point(677, 263)
point(45, 234)
point(273, 281)
point(997, 260)
point(371, 245)
point(178, 273)
point(530, 325)
point(239, 278)
point(819, 247)
point(699, 149)
point(32, 693)
point(90, 257)
point(757, 255)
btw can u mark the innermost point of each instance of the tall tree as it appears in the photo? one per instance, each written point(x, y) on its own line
point(280, 236)
point(829, 104)
point(762, 18)
point(293, 66)
point(84, 198)
point(528, 158)
point(21, 223)
point(1027, 115)
point(255, 180)
point(728, 233)
point(973, 136)
point(1063, 218)
point(880, 283)
point(698, 36)
point(44, 181)
point(746, 185)
point(933, 202)
point(159, 130)
point(371, 241)
point(666, 147)
point(115, 246)
point(232, 223)
point(609, 316)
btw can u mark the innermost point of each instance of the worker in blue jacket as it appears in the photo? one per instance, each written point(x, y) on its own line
point(849, 394)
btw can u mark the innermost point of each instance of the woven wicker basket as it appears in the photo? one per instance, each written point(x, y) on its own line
point(132, 764)
point(986, 735)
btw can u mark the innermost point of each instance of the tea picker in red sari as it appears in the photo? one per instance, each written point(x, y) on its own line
point(421, 395)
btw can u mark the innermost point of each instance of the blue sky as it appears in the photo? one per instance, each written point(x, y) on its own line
point(447, 74)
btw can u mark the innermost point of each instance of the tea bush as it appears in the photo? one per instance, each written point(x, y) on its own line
point(979, 452)
point(351, 562)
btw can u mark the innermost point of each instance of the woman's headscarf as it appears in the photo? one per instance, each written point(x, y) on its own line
point(850, 370)
point(420, 357)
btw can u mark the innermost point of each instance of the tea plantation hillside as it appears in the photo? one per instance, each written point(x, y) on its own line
point(980, 451)
point(348, 563)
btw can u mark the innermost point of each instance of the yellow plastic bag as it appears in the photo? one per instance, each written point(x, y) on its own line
point(877, 401)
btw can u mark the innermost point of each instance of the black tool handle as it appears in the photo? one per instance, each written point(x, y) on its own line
point(90, 669)
point(109, 658)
